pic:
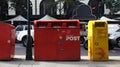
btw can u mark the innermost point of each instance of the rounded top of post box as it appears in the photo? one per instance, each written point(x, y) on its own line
point(6, 24)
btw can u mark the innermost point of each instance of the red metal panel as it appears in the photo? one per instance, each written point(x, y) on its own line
point(7, 41)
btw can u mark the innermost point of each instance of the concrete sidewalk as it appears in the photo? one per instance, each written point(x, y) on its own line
point(19, 61)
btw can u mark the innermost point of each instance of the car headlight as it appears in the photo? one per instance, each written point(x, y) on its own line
point(112, 36)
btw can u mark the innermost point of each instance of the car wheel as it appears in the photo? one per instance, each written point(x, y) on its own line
point(82, 40)
point(118, 42)
point(24, 41)
point(111, 46)
point(85, 45)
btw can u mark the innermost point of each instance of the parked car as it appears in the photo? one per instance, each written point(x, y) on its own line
point(21, 34)
point(114, 34)
point(115, 38)
point(83, 31)
point(112, 28)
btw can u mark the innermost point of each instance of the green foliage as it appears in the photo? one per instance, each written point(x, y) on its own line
point(3, 2)
point(113, 5)
point(3, 9)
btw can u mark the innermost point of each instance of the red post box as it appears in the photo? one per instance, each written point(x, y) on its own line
point(56, 40)
point(7, 41)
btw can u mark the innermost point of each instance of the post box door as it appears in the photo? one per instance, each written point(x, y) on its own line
point(45, 42)
point(5, 40)
point(68, 49)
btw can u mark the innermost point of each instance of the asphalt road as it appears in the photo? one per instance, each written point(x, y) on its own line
point(20, 51)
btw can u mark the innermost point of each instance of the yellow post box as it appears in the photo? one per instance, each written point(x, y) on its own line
point(98, 40)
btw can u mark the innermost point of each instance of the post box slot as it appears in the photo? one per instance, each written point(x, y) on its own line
point(99, 24)
point(56, 24)
point(72, 24)
point(42, 25)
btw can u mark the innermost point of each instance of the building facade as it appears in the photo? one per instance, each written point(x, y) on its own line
point(36, 7)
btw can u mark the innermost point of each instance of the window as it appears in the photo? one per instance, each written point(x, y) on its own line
point(19, 28)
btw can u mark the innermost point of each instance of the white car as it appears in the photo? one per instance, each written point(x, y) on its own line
point(114, 34)
point(115, 38)
point(21, 34)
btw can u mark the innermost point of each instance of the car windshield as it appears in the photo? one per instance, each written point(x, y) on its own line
point(19, 28)
point(118, 30)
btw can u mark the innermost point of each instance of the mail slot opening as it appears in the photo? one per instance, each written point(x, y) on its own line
point(56, 24)
point(72, 24)
point(99, 24)
point(42, 25)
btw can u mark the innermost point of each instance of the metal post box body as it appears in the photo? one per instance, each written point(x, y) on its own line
point(55, 40)
point(7, 41)
point(98, 40)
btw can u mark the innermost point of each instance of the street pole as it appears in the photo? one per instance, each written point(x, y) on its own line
point(29, 44)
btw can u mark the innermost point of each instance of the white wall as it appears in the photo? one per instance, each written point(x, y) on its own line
point(33, 7)
point(84, 1)
point(11, 10)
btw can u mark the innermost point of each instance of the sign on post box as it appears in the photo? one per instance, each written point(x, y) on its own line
point(57, 40)
point(98, 40)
